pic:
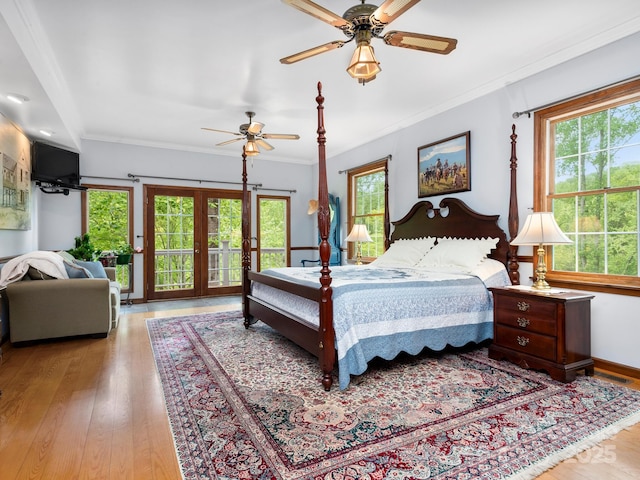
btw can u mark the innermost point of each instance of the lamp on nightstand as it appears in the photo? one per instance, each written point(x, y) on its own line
point(540, 228)
point(359, 234)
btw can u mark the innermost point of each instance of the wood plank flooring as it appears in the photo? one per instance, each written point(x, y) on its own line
point(86, 408)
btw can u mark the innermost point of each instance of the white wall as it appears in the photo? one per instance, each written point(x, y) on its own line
point(615, 322)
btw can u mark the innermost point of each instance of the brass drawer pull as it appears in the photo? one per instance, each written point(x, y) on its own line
point(522, 341)
point(523, 306)
point(523, 322)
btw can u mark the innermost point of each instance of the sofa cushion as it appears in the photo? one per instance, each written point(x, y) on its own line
point(96, 268)
point(76, 271)
point(66, 256)
point(34, 274)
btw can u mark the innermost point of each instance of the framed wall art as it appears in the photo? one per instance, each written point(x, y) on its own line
point(15, 183)
point(445, 166)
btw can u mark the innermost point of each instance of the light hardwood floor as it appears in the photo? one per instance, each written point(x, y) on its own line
point(94, 409)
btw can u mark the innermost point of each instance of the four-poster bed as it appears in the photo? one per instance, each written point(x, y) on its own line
point(456, 312)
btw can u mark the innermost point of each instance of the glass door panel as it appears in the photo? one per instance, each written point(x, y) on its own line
point(173, 250)
point(273, 232)
point(197, 242)
point(224, 243)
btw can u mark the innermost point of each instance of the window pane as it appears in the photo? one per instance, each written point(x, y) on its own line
point(622, 214)
point(368, 204)
point(622, 253)
point(108, 218)
point(564, 256)
point(108, 224)
point(590, 253)
point(566, 174)
point(594, 168)
point(624, 125)
point(594, 132)
point(625, 170)
point(273, 232)
point(567, 138)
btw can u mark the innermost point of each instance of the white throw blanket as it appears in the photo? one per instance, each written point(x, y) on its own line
point(49, 263)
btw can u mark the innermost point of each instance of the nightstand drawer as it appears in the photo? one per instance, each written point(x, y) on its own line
point(528, 305)
point(526, 321)
point(541, 346)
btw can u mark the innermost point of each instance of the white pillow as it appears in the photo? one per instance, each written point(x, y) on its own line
point(405, 252)
point(463, 252)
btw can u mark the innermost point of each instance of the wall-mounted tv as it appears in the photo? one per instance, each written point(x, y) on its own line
point(54, 165)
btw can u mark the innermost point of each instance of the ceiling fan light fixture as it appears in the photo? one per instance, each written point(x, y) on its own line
point(251, 149)
point(364, 64)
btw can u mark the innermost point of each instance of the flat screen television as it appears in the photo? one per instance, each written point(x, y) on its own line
point(54, 165)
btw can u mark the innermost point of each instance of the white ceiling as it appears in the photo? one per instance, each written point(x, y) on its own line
point(153, 72)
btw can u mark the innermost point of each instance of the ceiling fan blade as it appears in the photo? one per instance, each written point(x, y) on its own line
point(392, 9)
point(312, 52)
point(254, 128)
point(263, 144)
point(281, 136)
point(220, 131)
point(315, 10)
point(228, 142)
point(418, 41)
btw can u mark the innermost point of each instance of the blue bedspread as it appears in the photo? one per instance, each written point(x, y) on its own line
point(384, 311)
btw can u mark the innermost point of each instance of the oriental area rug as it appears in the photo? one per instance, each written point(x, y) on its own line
point(247, 403)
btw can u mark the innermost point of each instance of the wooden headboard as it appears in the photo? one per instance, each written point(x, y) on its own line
point(452, 218)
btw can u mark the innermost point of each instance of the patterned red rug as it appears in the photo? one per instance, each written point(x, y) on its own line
point(248, 404)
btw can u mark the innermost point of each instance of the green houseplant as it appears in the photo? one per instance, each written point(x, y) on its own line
point(84, 249)
point(123, 254)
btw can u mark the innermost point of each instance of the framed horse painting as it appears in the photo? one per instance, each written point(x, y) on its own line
point(445, 166)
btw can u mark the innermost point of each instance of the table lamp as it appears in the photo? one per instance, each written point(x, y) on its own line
point(359, 234)
point(540, 228)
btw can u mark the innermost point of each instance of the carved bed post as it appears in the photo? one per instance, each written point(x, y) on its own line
point(387, 215)
point(514, 274)
point(327, 334)
point(246, 243)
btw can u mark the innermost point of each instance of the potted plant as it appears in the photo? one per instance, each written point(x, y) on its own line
point(84, 249)
point(123, 254)
point(108, 258)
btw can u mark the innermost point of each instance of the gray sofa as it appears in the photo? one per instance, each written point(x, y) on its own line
point(52, 308)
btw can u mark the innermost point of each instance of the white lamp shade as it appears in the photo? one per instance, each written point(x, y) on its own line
point(540, 228)
point(359, 233)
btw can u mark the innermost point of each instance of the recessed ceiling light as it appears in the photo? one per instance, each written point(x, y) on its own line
point(17, 98)
point(46, 133)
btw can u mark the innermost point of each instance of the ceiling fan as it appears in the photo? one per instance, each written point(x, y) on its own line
point(252, 132)
point(362, 23)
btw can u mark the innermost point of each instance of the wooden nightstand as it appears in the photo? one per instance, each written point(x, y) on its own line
point(540, 330)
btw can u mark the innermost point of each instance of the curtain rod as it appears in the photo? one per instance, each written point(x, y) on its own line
point(111, 178)
point(275, 189)
point(614, 84)
point(388, 157)
point(133, 175)
point(136, 178)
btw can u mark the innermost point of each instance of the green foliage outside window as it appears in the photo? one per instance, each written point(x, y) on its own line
point(108, 224)
point(596, 189)
point(273, 232)
point(108, 218)
point(369, 210)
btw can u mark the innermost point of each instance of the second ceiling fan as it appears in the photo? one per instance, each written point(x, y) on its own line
point(252, 133)
point(362, 23)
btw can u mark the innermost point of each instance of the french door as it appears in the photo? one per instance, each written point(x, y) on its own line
point(193, 242)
